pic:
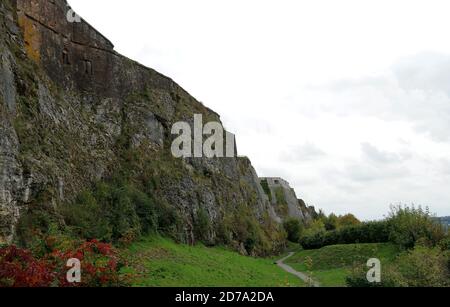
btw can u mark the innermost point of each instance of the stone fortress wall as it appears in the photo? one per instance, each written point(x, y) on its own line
point(276, 181)
point(68, 48)
point(78, 57)
point(83, 67)
point(53, 14)
point(295, 207)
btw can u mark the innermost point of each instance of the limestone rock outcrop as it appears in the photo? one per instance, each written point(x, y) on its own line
point(69, 103)
point(284, 202)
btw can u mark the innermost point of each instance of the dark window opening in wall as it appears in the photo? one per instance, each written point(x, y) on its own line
point(65, 58)
point(277, 182)
point(88, 67)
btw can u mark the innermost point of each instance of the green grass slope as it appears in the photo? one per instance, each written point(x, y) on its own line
point(157, 261)
point(330, 265)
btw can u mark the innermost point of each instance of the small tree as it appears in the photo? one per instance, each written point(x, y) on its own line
point(348, 220)
point(409, 224)
point(309, 263)
point(202, 224)
point(331, 222)
point(294, 229)
point(424, 267)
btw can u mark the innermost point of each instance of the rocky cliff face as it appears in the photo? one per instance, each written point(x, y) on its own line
point(73, 111)
point(283, 201)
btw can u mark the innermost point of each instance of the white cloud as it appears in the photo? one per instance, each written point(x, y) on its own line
point(378, 156)
point(301, 153)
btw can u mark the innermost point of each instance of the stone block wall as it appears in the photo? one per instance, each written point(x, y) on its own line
point(73, 53)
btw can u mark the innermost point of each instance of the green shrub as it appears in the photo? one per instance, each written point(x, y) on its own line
point(370, 232)
point(279, 195)
point(86, 218)
point(224, 232)
point(107, 213)
point(265, 186)
point(445, 243)
point(313, 227)
point(404, 227)
point(424, 267)
point(331, 222)
point(111, 211)
point(169, 220)
point(408, 225)
point(201, 224)
point(35, 223)
point(358, 278)
point(253, 235)
point(348, 220)
point(281, 208)
point(420, 267)
point(293, 228)
point(146, 210)
point(259, 237)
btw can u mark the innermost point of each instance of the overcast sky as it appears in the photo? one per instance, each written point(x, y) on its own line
point(347, 100)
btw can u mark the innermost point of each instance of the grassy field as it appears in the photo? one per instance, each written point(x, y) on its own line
point(331, 264)
point(158, 261)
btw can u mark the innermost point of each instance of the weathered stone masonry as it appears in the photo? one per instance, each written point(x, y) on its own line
point(86, 97)
point(78, 57)
point(70, 51)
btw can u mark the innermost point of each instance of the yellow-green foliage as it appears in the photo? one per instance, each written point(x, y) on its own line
point(265, 186)
point(282, 205)
point(407, 225)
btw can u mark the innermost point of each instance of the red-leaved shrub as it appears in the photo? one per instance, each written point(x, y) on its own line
point(18, 268)
point(100, 267)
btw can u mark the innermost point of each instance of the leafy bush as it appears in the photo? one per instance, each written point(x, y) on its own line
point(279, 195)
point(420, 267)
point(358, 278)
point(282, 208)
point(100, 267)
point(424, 267)
point(445, 243)
point(146, 210)
point(408, 225)
point(334, 222)
point(265, 186)
point(240, 229)
point(370, 232)
point(87, 218)
point(35, 223)
point(404, 227)
point(293, 228)
point(18, 268)
point(313, 227)
point(348, 220)
point(201, 224)
point(331, 222)
point(112, 212)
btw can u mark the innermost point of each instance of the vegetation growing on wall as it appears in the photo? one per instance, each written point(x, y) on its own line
point(294, 229)
point(281, 208)
point(265, 186)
